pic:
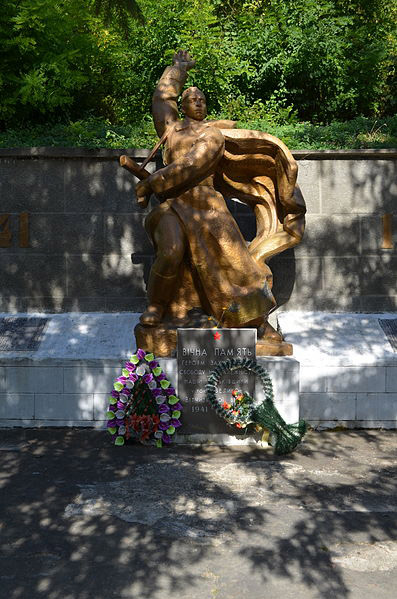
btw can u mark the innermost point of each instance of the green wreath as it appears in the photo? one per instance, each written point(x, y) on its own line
point(283, 437)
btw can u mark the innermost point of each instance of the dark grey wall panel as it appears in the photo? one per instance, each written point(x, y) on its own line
point(88, 249)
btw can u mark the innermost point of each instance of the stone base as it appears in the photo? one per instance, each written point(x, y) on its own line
point(162, 341)
point(267, 348)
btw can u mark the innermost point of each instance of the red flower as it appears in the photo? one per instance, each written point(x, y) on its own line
point(226, 405)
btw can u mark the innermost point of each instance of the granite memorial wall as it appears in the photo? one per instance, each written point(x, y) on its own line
point(72, 236)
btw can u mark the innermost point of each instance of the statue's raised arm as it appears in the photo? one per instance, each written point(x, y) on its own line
point(164, 105)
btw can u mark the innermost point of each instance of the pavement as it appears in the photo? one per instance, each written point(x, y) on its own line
point(82, 519)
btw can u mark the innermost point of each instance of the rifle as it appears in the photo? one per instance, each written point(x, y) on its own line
point(139, 169)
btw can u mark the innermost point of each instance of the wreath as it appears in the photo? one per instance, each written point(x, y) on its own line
point(241, 410)
point(143, 404)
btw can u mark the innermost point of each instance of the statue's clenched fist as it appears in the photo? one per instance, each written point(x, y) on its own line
point(183, 59)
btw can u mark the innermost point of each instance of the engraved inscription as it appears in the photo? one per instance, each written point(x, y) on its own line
point(199, 351)
point(23, 230)
point(5, 233)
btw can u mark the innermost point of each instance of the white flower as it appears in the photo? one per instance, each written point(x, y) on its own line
point(160, 399)
point(158, 434)
point(165, 418)
point(140, 370)
point(121, 430)
point(123, 397)
point(129, 384)
point(120, 414)
point(152, 385)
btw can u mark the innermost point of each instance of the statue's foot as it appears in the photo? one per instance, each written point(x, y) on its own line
point(152, 316)
point(270, 334)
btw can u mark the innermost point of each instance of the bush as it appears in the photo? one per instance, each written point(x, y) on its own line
point(97, 133)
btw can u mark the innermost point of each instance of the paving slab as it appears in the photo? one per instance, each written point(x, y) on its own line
point(82, 519)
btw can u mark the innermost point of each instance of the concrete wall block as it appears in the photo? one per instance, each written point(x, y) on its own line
point(384, 424)
point(327, 406)
point(391, 379)
point(64, 406)
point(355, 379)
point(378, 303)
point(289, 410)
point(125, 234)
point(32, 276)
point(74, 233)
point(330, 235)
point(111, 274)
point(312, 380)
point(372, 234)
point(101, 403)
point(377, 406)
point(48, 422)
point(3, 380)
point(170, 367)
point(16, 405)
point(319, 300)
point(284, 374)
point(34, 379)
point(341, 275)
point(309, 182)
point(378, 275)
point(99, 186)
point(303, 275)
point(87, 379)
point(31, 185)
point(358, 186)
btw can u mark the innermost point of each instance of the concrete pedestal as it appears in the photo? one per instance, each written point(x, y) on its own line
point(67, 381)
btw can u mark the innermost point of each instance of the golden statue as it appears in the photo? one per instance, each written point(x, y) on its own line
point(202, 260)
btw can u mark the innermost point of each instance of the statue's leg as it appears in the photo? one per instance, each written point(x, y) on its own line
point(170, 241)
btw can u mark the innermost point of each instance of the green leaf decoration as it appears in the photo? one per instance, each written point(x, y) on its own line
point(125, 372)
point(119, 441)
point(159, 443)
point(112, 430)
point(110, 415)
point(176, 413)
point(172, 400)
point(170, 430)
point(134, 359)
point(118, 386)
point(165, 384)
point(112, 400)
point(149, 357)
point(157, 370)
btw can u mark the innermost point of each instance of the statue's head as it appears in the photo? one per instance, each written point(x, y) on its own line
point(194, 104)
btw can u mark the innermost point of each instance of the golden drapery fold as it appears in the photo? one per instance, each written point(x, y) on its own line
point(259, 170)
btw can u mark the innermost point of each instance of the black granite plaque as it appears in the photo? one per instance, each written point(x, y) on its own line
point(21, 333)
point(199, 352)
point(389, 326)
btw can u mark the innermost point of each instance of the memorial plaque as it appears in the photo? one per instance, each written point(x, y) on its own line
point(199, 352)
point(21, 333)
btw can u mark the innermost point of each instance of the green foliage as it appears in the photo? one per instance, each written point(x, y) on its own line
point(96, 133)
point(278, 61)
